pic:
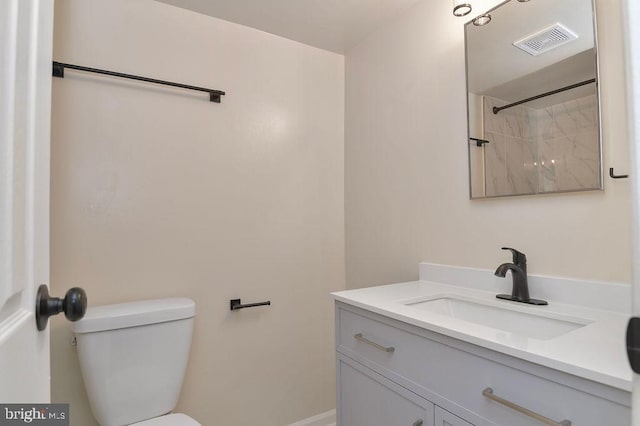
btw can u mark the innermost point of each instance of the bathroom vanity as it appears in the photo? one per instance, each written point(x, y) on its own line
point(444, 351)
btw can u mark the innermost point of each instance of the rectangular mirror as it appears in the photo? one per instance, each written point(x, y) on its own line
point(533, 101)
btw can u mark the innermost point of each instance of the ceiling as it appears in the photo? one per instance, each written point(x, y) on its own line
point(335, 25)
point(492, 59)
point(569, 71)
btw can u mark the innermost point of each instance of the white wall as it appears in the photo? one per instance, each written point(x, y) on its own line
point(158, 193)
point(406, 179)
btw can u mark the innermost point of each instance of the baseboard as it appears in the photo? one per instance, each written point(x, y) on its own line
point(323, 419)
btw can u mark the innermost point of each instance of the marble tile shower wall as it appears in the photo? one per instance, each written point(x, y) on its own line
point(568, 145)
point(540, 150)
point(511, 155)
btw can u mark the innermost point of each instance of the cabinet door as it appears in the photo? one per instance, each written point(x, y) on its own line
point(445, 418)
point(365, 398)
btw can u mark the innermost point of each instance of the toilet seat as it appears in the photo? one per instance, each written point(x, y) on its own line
point(169, 420)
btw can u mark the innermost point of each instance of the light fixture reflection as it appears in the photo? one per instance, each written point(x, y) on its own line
point(461, 7)
point(482, 20)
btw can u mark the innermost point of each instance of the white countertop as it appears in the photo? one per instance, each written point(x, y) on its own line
point(595, 351)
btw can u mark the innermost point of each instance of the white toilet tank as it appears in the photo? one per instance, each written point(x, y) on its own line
point(133, 357)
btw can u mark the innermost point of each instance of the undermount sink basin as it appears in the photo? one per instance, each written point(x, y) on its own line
point(509, 320)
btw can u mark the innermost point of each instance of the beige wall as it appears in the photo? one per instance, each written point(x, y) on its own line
point(406, 173)
point(159, 193)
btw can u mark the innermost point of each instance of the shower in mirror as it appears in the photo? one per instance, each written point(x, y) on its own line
point(533, 101)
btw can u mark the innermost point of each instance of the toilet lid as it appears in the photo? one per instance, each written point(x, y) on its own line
point(169, 420)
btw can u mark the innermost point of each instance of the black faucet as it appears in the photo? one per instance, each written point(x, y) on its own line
point(518, 268)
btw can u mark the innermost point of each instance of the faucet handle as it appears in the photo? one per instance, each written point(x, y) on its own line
point(519, 258)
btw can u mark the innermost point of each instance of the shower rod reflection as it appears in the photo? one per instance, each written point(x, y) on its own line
point(58, 71)
point(544, 95)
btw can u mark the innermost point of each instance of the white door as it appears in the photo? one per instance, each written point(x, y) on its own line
point(632, 52)
point(26, 35)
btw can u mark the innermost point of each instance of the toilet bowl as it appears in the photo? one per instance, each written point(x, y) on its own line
point(169, 420)
point(133, 357)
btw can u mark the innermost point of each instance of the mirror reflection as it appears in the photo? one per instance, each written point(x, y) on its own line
point(533, 106)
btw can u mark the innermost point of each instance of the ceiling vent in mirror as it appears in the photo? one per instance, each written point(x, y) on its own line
point(544, 40)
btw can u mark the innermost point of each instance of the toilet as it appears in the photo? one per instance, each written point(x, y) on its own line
point(133, 357)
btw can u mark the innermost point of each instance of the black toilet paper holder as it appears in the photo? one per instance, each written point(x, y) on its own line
point(236, 304)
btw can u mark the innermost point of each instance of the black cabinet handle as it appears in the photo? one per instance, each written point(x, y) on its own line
point(74, 305)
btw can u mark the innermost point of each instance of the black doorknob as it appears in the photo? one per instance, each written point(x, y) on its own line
point(74, 305)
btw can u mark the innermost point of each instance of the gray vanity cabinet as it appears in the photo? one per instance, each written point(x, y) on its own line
point(393, 373)
point(368, 399)
point(445, 418)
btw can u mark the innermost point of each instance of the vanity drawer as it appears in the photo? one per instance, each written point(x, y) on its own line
point(377, 342)
point(455, 379)
point(499, 393)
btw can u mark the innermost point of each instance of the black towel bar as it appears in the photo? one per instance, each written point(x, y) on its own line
point(58, 71)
